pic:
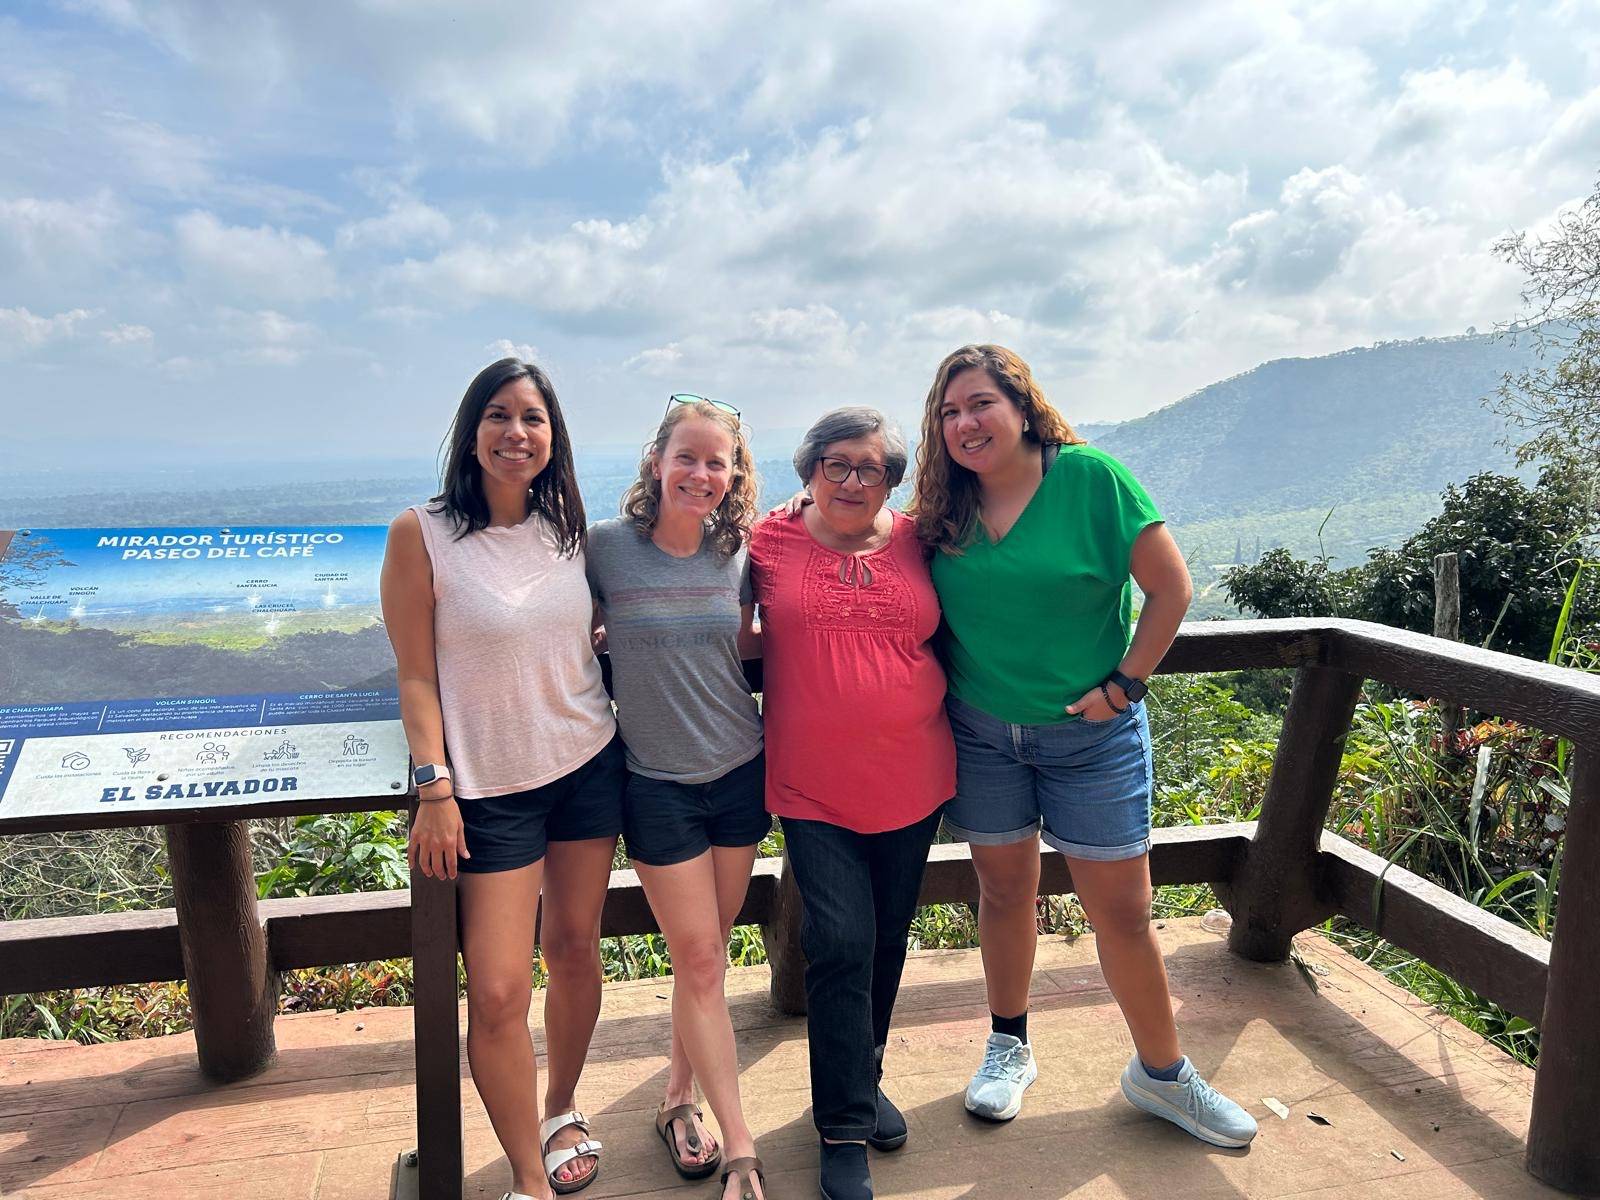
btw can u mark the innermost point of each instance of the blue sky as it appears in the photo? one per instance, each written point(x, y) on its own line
point(237, 233)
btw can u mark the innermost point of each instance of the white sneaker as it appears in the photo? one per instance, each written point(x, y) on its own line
point(1190, 1103)
point(995, 1093)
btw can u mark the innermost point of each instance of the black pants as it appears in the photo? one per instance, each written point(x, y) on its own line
point(858, 893)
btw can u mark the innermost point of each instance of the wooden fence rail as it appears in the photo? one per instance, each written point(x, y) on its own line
point(1278, 876)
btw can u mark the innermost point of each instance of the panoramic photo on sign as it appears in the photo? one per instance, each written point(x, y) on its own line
point(182, 667)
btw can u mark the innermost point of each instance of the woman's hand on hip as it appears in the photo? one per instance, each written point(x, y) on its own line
point(438, 838)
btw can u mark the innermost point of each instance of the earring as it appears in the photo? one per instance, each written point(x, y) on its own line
point(1025, 425)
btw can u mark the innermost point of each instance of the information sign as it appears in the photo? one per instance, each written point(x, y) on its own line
point(151, 669)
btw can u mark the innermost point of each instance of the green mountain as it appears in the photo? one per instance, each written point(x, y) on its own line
point(1378, 422)
point(1332, 455)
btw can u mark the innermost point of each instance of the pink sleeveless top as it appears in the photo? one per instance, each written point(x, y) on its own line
point(519, 685)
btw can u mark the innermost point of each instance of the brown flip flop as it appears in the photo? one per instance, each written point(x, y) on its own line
point(691, 1139)
point(745, 1168)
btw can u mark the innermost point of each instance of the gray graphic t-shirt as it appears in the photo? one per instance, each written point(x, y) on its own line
point(672, 625)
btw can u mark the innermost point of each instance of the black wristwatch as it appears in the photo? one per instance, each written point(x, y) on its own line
point(1134, 689)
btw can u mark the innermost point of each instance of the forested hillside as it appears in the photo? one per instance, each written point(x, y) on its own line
point(1395, 419)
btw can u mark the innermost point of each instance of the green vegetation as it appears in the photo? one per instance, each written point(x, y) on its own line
point(1554, 401)
point(1521, 553)
point(1345, 533)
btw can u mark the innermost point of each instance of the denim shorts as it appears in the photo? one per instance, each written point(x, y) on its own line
point(1087, 783)
point(514, 830)
point(666, 823)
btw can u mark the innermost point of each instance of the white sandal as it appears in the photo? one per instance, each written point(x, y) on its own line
point(554, 1160)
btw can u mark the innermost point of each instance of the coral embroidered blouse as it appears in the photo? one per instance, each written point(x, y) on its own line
point(853, 695)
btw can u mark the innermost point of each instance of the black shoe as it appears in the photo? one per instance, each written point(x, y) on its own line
point(890, 1132)
point(844, 1174)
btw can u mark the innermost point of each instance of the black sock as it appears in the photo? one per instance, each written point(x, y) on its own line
point(1017, 1027)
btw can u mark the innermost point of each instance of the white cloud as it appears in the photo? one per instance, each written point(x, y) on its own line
point(24, 330)
point(407, 222)
point(506, 348)
point(656, 361)
point(51, 237)
point(1299, 244)
point(253, 264)
point(1486, 109)
point(129, 335)
point(267, 337)
point(780, 204)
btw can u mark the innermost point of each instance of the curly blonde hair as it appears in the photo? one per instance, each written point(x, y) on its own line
point(728, 525)
point(946, 500)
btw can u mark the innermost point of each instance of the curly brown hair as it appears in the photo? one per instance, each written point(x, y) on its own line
point(729, 524)
point(945, 504)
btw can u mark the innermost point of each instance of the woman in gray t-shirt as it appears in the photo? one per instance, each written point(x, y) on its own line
point(672, 588)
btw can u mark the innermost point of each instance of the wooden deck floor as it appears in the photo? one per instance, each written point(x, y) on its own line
point(1416, 1106)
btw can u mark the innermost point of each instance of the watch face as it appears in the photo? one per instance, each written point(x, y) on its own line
point(425, 775)
point(1133, 689)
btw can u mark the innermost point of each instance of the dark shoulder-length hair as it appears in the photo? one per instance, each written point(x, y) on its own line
point(554, 492)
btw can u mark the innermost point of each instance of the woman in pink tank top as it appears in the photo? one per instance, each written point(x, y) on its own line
point(519, 770)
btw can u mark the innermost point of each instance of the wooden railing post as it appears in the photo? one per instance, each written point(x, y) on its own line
point(1447, 625)
point(1275, 895)
point(780, 934)
point(233, 990)
point(436, 1026)
point(1562, 1147)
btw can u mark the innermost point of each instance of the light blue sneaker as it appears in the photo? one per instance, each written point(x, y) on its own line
point(995, 1093)
point(1189, 1103)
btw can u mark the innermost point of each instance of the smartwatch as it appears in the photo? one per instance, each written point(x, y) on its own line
point(428, 773)
point(1134, 689)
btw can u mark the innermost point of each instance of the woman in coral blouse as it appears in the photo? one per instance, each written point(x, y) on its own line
point(859, 759)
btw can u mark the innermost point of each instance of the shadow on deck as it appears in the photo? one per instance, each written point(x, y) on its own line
point(1417, 1106)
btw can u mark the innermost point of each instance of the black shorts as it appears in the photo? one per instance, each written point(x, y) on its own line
point(667, 823)
point(511, 831)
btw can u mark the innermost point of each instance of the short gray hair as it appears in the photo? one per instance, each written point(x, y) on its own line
point(845, 425)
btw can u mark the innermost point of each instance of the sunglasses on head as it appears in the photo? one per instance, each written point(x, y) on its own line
point(691, 398)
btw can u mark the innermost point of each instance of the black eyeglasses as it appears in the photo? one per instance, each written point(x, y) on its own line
point(837, 470)
point(691, 398)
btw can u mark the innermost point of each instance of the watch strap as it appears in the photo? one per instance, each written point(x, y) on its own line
point(426, 773)
point(1133, 689)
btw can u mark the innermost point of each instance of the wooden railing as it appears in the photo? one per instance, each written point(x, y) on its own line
point(1278, 876)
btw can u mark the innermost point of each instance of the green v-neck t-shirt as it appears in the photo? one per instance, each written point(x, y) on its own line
point(1035, 620)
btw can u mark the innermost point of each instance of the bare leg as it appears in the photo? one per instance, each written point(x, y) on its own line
point(1116, 897)
point(497, 915)
point(733, 864)
point(1008, 932)
point(575, 880)
point(687, 899)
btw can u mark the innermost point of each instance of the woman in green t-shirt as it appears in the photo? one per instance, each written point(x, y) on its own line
point(1040, 539)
